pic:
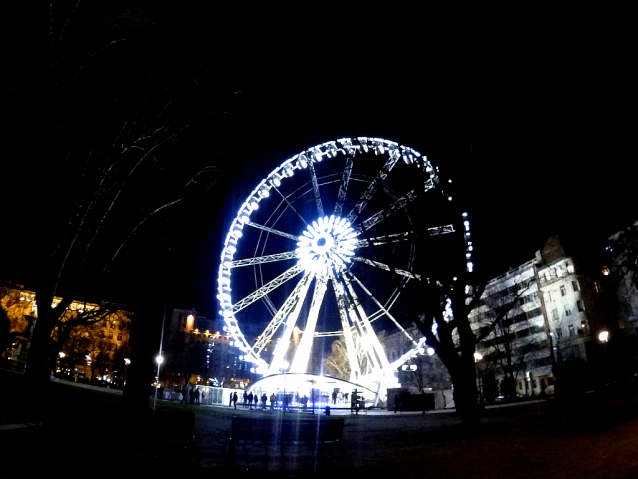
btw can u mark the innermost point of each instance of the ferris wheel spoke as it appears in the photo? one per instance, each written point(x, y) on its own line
point(300, 362)
point(267, 288)
point(355, 370)
point(343, 189)
point(274, 231)
point(271, 258)
point(384, 310)
point(369, 193)
point(367, 335)
point(315, 187)
point(290, 205)
point(385, 239)
point(393, 208)
point(385, 267)
point(278, 360)
point(295, 298)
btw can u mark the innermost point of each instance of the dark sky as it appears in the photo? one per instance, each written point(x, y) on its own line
point(533, 128)
point(530, 113)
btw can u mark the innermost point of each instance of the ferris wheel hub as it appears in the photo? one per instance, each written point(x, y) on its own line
point(327, 243)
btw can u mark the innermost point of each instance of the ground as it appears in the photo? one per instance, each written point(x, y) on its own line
point(79, 432)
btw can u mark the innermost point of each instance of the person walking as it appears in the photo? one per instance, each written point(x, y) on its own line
point(250, 401)
point(184, 394)
point(272, 401)
point(245, 399)
point(235, 400)
point(230, 400)
point(197, 396)
point(256, 400)
point(191, 393)
point(334, 397)
point(264, 399)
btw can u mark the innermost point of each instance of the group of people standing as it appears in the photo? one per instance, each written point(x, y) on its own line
point(193, 393)
point(250, 399)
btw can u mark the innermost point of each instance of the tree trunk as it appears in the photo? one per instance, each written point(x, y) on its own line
point(465, 393)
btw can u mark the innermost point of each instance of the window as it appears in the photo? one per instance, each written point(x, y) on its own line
point(110, 335)
point(547, 275)
point(568, 312)
point(563, 291)
point(575, 286)
point(580, 306)
point(552, 295)
point(559, 271)
point(572, 331)
point(570, 268)
point(559, 333)
point(555, 314)
point(119, 337)
point(597, 286)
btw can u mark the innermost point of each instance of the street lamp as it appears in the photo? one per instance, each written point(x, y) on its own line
point(477, 357)
point(603, 336)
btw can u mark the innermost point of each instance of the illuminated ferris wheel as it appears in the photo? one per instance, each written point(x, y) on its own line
point(308, 254)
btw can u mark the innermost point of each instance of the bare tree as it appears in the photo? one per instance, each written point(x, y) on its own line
point(513, 342)
point(337, 364)
point(108, 123)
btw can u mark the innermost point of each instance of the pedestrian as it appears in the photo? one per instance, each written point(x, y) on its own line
point(250, 401)
point(256, 400)
point(272, 401)
point(264, 399)
point(197, 396)
point(245, 398)
point(184, 394)
point(397, 403)
point(191, 393)
point(235, 400)
point(334, 397)
point(285, 403)
point(230, 400)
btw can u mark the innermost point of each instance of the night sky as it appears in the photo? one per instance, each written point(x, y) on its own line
point(531, 120)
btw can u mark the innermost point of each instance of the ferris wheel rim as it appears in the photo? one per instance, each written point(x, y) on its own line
point(305, 159)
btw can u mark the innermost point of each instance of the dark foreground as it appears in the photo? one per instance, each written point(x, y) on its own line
point(80, 432)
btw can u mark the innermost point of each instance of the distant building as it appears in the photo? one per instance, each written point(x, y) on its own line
point(199, 350)
point(555, 308)
point(92, 351)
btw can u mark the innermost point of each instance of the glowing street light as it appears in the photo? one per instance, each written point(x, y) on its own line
point(603, 336)
point(159, 359)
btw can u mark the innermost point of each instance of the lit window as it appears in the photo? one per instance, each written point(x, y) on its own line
point(570, 268)
point(580, 305)
point(552, 295)
point(597, 286)
point(559, 271)
point(547, 275)
point(563, 291)
point(572, 331)
point(576, 287)
point(605, 270)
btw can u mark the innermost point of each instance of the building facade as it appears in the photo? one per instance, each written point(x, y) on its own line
point(197, 352)
point(547, 311)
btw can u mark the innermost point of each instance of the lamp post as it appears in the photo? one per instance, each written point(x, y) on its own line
point(477, 357)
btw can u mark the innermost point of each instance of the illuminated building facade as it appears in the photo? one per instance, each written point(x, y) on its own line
point(95, 351)
point(196, 351)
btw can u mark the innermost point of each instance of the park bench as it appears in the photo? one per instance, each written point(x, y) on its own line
point(277, 431)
